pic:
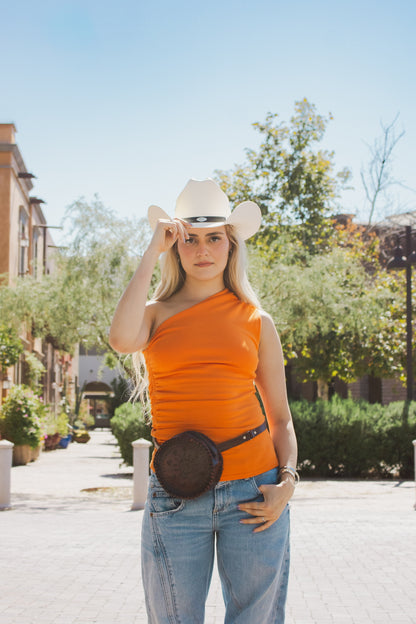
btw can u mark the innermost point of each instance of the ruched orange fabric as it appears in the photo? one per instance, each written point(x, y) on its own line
point(202, 364)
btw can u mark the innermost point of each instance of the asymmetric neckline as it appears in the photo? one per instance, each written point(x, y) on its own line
point(191, 307)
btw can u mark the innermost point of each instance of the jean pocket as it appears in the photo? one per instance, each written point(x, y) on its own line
point(266, 478)
point(160, 502)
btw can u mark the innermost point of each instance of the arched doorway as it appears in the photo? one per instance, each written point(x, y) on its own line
point(97, 393)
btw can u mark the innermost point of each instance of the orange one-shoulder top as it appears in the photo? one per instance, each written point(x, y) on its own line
point(202, 364)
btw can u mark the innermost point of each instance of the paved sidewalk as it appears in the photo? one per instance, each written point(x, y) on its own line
point(69, 547)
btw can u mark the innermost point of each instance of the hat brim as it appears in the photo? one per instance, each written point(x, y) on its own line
point(246, 218)
point(154, 213)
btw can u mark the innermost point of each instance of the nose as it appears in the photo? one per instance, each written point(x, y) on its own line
point(202, 249)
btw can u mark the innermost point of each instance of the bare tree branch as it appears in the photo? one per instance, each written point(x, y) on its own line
point(378, 176)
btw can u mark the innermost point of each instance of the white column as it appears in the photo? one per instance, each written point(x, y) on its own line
point(414, 448)
point(6, 454)
point(140, 472)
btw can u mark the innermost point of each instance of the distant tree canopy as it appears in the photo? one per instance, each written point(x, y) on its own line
point(76, 303)
point(292, 180)
point(335, 319)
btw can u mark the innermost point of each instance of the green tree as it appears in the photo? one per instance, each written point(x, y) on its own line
point(293, 181)
point(76, 302)
point(335, 319)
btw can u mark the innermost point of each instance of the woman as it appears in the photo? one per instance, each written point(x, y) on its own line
point(208, 346)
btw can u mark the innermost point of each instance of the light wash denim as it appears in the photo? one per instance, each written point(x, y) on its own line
point(178, 541)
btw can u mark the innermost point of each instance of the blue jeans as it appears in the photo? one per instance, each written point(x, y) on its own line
point(178, 541)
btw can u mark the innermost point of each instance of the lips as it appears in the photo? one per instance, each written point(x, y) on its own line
point(204, 264)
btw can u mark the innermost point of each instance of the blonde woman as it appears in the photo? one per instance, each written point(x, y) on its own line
point(208, 346)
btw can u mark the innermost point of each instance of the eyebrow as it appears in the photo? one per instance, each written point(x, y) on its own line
point(190, 235)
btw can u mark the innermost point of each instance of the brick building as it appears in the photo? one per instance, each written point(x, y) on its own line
point(25, 243)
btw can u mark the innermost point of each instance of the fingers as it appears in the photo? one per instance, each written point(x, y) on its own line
point(183, 228)
point(264, 514)
point(261, 521)
point(167, 233)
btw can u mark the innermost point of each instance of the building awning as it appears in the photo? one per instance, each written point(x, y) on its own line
point(97, 390)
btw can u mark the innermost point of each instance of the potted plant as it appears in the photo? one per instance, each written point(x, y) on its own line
point(80, 433)
point(54, 432)
point(63, 430)
point(21, 422)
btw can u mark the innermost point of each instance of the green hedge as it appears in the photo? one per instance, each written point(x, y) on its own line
point(355, 439)
point(336, 438)
point(128, 424)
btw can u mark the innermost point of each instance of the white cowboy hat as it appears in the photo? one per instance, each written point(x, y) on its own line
point(203, 204)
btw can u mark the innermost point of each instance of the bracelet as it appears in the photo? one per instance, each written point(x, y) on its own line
point(291, 472)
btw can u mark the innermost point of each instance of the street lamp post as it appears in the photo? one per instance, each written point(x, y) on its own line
point(400, 261)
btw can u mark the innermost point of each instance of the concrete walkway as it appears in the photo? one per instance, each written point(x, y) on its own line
point(69, 547)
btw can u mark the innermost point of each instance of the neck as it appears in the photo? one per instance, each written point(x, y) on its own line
point(197, 290)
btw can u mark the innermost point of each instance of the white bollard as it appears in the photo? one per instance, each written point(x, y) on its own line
point(414, 448)
point(6, 455)
point(140, 472)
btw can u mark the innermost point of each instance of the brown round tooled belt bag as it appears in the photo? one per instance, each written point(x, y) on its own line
point(190, 463)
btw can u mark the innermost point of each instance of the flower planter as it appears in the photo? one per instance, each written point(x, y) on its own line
point(63, 442)
point(35, 452)
point(82, 438)
point(22, 454)
point(52, 441)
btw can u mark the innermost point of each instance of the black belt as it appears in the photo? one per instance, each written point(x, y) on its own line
point(244, 437)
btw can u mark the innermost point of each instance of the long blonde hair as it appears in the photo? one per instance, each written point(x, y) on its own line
point(172, 278)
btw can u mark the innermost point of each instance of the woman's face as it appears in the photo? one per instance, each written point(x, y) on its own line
point(204, 253)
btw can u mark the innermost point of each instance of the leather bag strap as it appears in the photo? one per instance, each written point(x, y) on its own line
point(244, 437)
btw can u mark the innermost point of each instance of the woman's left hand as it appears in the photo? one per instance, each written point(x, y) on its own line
point(266, 513)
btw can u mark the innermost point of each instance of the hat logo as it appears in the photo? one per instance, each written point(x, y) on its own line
point(201, 219)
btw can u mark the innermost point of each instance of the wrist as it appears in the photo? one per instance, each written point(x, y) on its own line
point(287, 480)
point(287, 488)
point(287, 473)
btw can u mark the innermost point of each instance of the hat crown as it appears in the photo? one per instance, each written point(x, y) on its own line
point(202, 198)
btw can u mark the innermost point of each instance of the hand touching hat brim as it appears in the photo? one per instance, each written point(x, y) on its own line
point(154, 213)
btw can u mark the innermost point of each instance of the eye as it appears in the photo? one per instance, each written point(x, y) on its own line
point(214, 239)
point(189, 241)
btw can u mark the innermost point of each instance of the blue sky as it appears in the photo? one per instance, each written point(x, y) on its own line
point(130, 99)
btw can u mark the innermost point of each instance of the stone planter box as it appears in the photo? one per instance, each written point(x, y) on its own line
point(24, 454)
point(35, 453)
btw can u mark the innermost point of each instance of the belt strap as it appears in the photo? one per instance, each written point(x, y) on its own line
point(244, 437)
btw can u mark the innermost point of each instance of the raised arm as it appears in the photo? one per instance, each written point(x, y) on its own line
point(132, 321)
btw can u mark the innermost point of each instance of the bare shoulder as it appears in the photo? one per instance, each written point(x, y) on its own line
point(159, 311)
point(268, 328)
point(154, 310)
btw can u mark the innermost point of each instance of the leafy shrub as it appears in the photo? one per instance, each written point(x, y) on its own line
point(10, 347)
point(22, 416)
point(56, 424)
point(128, 424)
point(347, 438)
point(35, 371)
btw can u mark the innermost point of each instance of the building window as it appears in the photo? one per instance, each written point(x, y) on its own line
point(35, 252)
point(23, 241)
